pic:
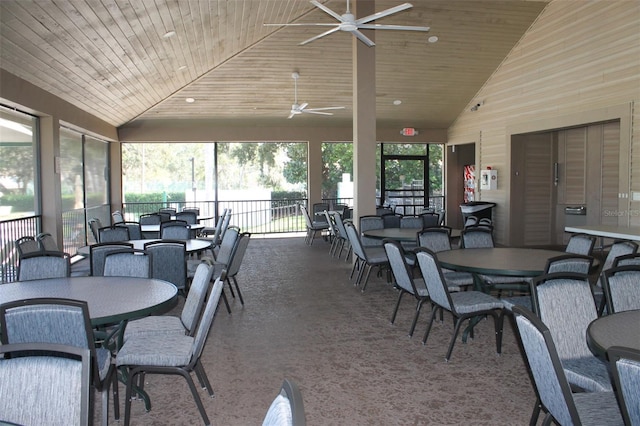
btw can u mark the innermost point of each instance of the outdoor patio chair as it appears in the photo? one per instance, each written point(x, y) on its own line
point(617, 249)
point(169, 262)
point(112, 234)
point(44, 264)
point(625, 365)
point(47, 242)
point(117, 217)
point(26, 245)
point(368, 223)
point(366, 257)
point(287, 409)
point(341, 235)
point(430, 219)
point(94, 225)
point(135, 232)
point(128, 263)
point(98, 253)
point(175, 230)
point(581, 244)
point(236, 262)
point(174, 355)
point(622, 288)
point(313, 226)
point(150, 219)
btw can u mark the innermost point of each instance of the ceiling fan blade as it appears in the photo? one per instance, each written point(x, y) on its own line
point(332, 30)
point(300, 25)
point(384, 13)
point(309, 111)
point(392, 27)
point(363, 38)
point(326, 10)
point(325, 108)
point(291, 114)
point(303, 106)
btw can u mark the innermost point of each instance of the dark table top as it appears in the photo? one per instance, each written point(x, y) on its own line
point(110, 299)
point(619, 329)
point(507, 261)
point(193, 245)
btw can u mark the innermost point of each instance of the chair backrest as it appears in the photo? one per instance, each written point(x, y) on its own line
point(319, 208)
point(564, 302)
point(47, 242)
point(194, 303)
point(94, 225)
point(476, 237)
point(228, 245)
point(170, 210)
point(175, 230)
point(117, 217)
point(149, 219)
point(430, 219)
point(135, 233)
point(169, 261)
point(332, 226)
point(381, 211)
point(165, 216)
point(627, 259)
point(570, 262)
point(195, 210)
point(433, 278)
point(581, 244)
point(354, 240)
point(59, 382)
point(44, 264)
point(128, 263)
point(545, 367)
point(113, 234)
point(307, 218)
point(391, 220)
point(98, 253)
point(339, 224)
point(287, 409)
point(238, 254)
point(411, 222)
point(625, 366)
point(401, 271)
point(225, 224)
point(618, 249)
point(190, 217)
point(202, 332)
point(470, 221)
point(26, 245)
point(622, 288)
point(367, 223)
point(435, 239)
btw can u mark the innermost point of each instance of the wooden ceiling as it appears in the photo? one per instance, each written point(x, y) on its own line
point(109, 57)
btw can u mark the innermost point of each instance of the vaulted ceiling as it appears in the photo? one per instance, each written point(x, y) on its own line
point(112, 59)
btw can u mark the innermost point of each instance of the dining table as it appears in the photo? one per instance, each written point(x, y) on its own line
point(617, 329)
point(110, 300)
point(156, 227)
point(401, 234)
point(193, 245)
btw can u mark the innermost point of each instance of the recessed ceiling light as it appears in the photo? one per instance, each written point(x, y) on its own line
point(169, 34)
point(190, 100)
point(182, 67)
point(432, 39)
point(397, 102)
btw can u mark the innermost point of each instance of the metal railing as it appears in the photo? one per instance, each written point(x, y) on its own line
point(10, 231)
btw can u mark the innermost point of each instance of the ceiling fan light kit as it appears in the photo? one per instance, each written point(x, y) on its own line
point(348, 22)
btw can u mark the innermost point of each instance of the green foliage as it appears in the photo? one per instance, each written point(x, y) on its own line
point(18, 202)
point(155, 197)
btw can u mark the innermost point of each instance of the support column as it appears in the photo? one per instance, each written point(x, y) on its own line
point(364, 118)
point(314, 170)
point(50, 186)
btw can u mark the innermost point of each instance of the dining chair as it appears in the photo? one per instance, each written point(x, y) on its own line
point(627, 259)
point(564, 302)
point(391, 220)
point(44, 264)
point(169, 262)
point(112, 234)
point(135, 232)
point(175, 230)
point(617, 249)
point(186, 323)
point(551, 385)
point(165, 214)
point(287, 408)
point(430, 219)
point(150, 219)
point(48, 386)
point(411, 222)
point(174, 354)
point(318, 209)
point(463, 305)
point(47, 242)
point(368, 223)
point(331, 232)
point(196, 210)
point(224, 255)
point(313, 226)
point(438, 239)
point(98, 253)
point(63, 322)
point(625, 366)
point(128, 263)
point(117, 217)
point(581, 244)
point(622, 288)
point(215, 231)
point(94, 225)
point(235, 263)
point(191, 218)
point(169, 210)
point(341, 234)
point(26, 245)
point(365, 257)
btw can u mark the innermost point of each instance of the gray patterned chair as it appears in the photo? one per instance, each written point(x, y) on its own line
point(128, 263)
point(341, 234)
point(113, 234)
point(47, 242)
point(94, 225)
point(235, 263)
point(625, 364)
point(368, 223)
point(581, 244)
point(622, 288)
point(618, 249)
point(135, 232)
point(67, 323)
point(565, 304)
point(175, 230)
point(438, 239)
point(169, 262)
point(98, 253)
point(313, 226)
point(26, 245)
point(173, 354)
point(287, 408)
point(44, 264)
point(464, 305)
point(158, 325)
point(117, 217)
point(366, 257)
point(56, 376)
point(150, 219)
point(552, 387)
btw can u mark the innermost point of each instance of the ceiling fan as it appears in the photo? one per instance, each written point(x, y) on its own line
point(348, 22)
point(300, 108)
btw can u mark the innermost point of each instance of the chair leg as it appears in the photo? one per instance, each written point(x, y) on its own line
point(226, 302)
point(116, 396)
point(196, 397)
point(366, 279)
point(233, 294)
point(238, 290)
point(499, 323)
point(395, 311)
point(453, 338)
point(434, 311)
point(202, 377)
point(353, 269)
point(536, 412)
point(415, 317)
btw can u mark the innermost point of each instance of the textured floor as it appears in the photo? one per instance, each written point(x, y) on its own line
point(305, 321)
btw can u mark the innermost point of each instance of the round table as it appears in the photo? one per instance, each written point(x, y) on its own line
point(193, 245)
point(110, 299)
point(156, 227)
point(506, 261)
point(619, 329)
point(400, 234)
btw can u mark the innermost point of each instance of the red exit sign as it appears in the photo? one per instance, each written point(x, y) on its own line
point(408, 131)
